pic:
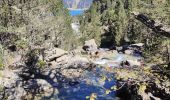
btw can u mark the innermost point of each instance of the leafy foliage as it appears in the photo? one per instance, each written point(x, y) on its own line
point(41, 63)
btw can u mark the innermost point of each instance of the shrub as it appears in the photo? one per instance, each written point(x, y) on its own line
point(1, 64)
point(1, 57)
point(41, 63)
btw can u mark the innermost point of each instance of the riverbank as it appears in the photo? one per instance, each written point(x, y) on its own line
point(88, 74)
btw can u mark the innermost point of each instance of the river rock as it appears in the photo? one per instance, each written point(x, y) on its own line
point(19, 93)
point(138, 44)
point(53, 54)
point(134, 62)
point(119, 49)
point(53, 63)
point(10, 80)
point(62, 58)
point(8, 77)
point(72, 73)
point(46, 87)
point(129, 52)
point(78, 58)
point(78, 50)
point(91, 45)
point(38, 86)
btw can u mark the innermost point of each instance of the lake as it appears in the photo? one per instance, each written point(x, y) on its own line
point(76, 12)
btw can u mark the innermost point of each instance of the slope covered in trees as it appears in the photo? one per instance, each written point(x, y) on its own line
point(40, 59)
point(112, 23)
point(123, 22)
point(77, 4)
point(27, 29)
point(37, 21)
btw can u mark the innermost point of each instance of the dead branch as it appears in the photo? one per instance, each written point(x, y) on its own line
point(154, 25)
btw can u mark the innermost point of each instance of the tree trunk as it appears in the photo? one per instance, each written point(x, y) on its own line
point(168, 53)
point(155, 26)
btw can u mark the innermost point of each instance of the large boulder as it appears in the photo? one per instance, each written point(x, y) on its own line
point(51, 55)
point(59, 61)
point(90, 45)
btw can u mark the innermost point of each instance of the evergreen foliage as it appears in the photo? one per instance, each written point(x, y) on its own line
point(113, 23)
point(35, 20)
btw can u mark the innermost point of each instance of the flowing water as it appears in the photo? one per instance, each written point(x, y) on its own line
point(96, 81)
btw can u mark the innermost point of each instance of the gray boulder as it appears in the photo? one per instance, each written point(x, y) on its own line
point(53, 54)
point(91, 45)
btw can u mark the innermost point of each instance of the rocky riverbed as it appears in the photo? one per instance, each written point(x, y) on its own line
point(84, 73)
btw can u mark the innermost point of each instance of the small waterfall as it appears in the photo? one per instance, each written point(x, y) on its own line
point(75, 26)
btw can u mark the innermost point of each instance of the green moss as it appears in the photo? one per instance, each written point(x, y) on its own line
point(41, 63)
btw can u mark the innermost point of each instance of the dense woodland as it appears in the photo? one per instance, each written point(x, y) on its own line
point(30, 27)
point(36, 21)
point(112, 22)
point(27, 24)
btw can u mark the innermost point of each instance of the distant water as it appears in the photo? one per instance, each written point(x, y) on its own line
point(76, 12)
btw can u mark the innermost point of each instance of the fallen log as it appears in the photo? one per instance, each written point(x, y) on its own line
point(154, 25)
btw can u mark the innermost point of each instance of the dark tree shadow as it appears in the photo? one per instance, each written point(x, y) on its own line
point(31, 72)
